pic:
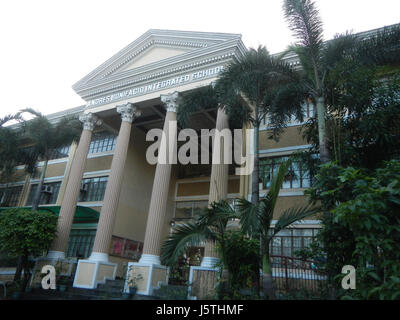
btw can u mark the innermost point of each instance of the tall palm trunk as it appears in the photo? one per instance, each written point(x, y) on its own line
point(36, 199)
point(323, 146)
point(255, 192)
point(267, 280)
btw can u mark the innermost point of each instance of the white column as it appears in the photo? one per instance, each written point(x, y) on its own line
point(70, 199)
point(111, 197)
point(159, 196)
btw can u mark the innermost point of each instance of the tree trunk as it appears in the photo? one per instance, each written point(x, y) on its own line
point(323, 145)
point(18, 271)
point(255, 192)
point(38, 193)
point(268, 281)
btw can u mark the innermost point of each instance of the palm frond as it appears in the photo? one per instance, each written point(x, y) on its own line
point(339, 48)
point(277, 181)
point(183, 236)
point(191, 102)
point(293, 215)
point(250, 216)
point(9, 117)
point(306, 25)
point(382, 48)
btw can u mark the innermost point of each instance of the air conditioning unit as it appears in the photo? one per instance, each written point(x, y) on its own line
point(47, 189)
point(84, 187)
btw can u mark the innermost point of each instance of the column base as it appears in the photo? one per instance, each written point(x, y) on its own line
point(89, 273)
point(99, 256)
point(209, 262)
point(146, 275)
point(55, 255)
point(150, 259)
point(202, 282)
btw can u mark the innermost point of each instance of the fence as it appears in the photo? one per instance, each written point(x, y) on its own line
point(296, 274)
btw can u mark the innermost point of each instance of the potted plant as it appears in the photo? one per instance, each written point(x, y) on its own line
point(132, 282)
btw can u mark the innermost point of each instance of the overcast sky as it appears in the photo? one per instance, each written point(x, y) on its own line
point(46, 46)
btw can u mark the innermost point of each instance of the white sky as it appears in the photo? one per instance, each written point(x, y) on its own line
point(46, 46)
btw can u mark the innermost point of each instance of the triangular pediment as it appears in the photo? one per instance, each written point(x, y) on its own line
point(154, 54)
point(154, 49)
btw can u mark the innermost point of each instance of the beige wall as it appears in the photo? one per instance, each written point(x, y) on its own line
point(136, 190)
point(98, 163)
point(290, 137)
point(287, 202)
point(192, 187)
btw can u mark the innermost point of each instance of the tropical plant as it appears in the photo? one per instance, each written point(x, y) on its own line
point(319, 59)
point(316, 58)
point(364, 229)
point(210, 224)
point(25, 233)
point(256, 220)
point(9, 151)
point(46, 137)
point(242, 261)
point(247, 90)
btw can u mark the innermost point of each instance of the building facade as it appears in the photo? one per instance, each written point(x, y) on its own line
point(137, 202)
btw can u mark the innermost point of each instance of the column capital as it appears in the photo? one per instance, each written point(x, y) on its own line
point(89, 120)
point(128, 112)
point(171, 101)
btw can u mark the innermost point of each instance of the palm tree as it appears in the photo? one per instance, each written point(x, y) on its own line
point(45, 138)
point(318, 58)
point(10, 153)
point(255, 220)
point(247, 89)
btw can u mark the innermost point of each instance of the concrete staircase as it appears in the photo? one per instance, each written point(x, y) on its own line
point(111, 290)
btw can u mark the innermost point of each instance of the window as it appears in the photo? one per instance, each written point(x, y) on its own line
point(288, 241)
point(9, 197)
point(187, 209)
point(93, 189)
point(81, 242)
point(47, 197)
point(308, 112)
point(298, 175)
point(102, 142)
point(59, 153)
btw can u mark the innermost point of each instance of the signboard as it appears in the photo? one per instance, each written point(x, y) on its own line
point(156, 86)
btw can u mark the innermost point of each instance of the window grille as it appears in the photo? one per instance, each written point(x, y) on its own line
point(80, 243)
point(93, 189)
point(9, 197)
point(102, 142)
point(288, 241)
point(45, 198)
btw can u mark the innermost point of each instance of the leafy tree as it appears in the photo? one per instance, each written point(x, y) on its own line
point(364, 229)
point(25, 233)
point(45, 137)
